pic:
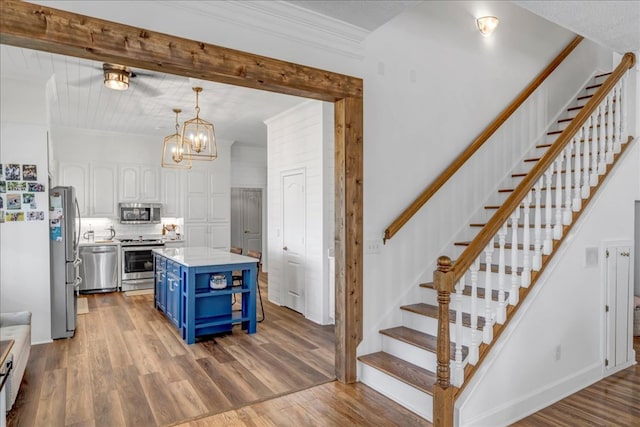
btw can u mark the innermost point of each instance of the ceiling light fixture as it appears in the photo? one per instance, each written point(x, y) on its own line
point(175, 154)
point(200, 135)
point(116, 77)
point(487, 25)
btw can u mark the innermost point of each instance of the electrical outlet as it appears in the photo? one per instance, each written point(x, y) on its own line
point(558, 352)
point(372, 246)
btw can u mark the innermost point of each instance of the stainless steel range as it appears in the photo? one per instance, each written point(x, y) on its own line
point(137, 262)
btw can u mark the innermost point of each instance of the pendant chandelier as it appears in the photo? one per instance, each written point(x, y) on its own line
point(175, 154)
point(199, 135)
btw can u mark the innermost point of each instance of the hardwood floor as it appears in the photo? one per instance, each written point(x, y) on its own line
point(614, 401)
point(126, 365)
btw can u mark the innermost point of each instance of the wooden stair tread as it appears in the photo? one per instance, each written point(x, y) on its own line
point(429, 310)
point(547, 145)
point(531, 206)
point(593, 86)
point(478, 225)
point(544, 188)
point(480, 292)
point(421, 340)
point(523, 174)
point(603, 75)
point(411, 374)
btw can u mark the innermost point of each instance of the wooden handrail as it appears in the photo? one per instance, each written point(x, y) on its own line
point(503, 213)
point(475, 145)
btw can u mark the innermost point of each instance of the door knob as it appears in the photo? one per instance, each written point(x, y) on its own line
point(247, 231)
point(285, 248)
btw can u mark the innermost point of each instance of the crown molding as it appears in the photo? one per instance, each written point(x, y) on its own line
point(285, 21)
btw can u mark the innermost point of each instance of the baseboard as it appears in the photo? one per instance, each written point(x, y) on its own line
point(515, 410)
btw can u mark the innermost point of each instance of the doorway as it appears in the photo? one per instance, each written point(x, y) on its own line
point(246, 219)
point(175, 55)
point(294, 239)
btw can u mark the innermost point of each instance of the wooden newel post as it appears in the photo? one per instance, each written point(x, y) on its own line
point(442, 390)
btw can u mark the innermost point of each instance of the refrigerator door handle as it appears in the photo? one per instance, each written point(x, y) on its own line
point(77, 262)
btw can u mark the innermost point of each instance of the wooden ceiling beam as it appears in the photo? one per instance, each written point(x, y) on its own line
point(38, 27)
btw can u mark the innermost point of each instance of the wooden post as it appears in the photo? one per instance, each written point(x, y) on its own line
point(348, 235)
point(442, 390)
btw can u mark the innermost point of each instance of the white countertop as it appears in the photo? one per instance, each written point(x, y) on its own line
point(99, 243)
point(203, 256)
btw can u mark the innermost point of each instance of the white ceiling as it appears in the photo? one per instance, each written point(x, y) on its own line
point(82, 101)
point(614, 24)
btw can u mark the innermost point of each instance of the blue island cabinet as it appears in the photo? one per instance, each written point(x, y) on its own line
point(184, 294)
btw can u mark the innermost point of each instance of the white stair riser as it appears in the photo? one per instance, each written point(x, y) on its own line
point(429, 296)
point(507, 252)
point(430, 326)
point(412, 354)
point(415, 400)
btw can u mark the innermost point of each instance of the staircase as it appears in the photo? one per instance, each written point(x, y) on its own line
point(500, 256)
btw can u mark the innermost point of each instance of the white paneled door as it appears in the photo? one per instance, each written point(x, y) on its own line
point(246, 219)
point(293, 239)
point(619, 323)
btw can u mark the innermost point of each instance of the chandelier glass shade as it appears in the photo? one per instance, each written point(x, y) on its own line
point(176, 154)
point(487, 25)
point(199, 135)
point(116, 77)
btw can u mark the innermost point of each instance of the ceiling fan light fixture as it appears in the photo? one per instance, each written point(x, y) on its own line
point(116, 78)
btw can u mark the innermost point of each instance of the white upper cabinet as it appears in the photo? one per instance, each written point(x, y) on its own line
point(139, 183)
point(171, 192)
point(76, 175)
point(104, 190)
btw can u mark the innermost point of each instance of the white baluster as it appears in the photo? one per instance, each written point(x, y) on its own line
point(458, 373)
point(487, 331)
point(577, 198)
point(501, 314)
point(585, 190)
point(624, 136)
point(602, 159)
point(557, 228)
point(593, 177)
point(515, 280)
point(609, 130)
point(474, 353)
point(526, 242)
point(537, 227)
point(617, 136)
point(568, 212)
point(547, 245)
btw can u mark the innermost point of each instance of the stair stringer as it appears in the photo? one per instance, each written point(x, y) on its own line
point(521, 375)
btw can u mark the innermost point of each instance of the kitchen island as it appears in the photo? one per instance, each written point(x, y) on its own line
point(184, 294)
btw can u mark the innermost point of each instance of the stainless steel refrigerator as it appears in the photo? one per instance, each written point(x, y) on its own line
point(64, 230)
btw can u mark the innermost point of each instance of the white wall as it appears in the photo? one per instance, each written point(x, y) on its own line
point(298, 140)
point(567, 310)
point(24, 246)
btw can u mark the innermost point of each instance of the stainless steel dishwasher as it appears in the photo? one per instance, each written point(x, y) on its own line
point(99, 268)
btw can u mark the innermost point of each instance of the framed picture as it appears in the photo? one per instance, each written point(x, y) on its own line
point(35, 187)
point(14, 216)
point(12, 172)
point(14, 201)
point(3, 186)
point(16, 186)
point(29, 172)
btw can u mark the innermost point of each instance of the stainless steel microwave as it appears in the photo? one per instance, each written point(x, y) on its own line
point(139, 213)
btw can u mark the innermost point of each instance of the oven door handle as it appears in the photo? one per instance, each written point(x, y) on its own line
point(141, 248)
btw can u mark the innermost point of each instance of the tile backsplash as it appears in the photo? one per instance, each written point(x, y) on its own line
point(100, 227)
